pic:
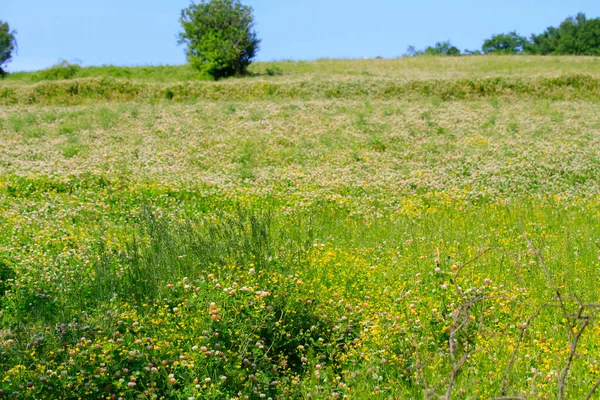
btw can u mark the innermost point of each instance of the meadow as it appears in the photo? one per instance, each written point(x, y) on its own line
point(418, 228)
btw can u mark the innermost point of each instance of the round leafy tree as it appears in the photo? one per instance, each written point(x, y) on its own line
point(508, 43)
point(8, 44)
point(220, 37)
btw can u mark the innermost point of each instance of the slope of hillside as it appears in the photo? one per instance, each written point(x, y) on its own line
point(418, 68)
point(411, 228)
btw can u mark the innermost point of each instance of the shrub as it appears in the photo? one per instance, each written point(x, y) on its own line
point(62, 70)
point(443, 49)
point(440, 49)
point(509, 43)
point(220, 38)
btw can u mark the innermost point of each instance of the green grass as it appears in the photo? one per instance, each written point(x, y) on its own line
point(148, 73)
point(303, 232)
point(88, 91)
point(421, 68)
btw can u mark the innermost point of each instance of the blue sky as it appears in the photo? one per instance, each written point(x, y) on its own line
point(143, 32)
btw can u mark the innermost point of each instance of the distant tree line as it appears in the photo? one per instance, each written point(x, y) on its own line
point(574, 36)
point(221, 41)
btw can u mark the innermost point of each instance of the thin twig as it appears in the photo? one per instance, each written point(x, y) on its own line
point(572, 351)
point(472, 260)
point(514, 353)
point(463, 311)
point(455, 370)
point(591, 393)
point(577, 317)
point(559, 295)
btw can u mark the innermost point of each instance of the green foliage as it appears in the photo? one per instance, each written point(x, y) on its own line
point(442, 49)
point(159, 73)
point(285, 238)
point(574, 36)
point(274, 71)
point(397, 69)
point(8, 44)
point(569, 86)
point(6, 274)
point(505, 43)
point(411, 51)
point(220, 37)
point(62, 70)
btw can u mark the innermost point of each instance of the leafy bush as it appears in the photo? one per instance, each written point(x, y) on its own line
point(274, 71)
point(509, 43)
point(220, 38)
point(443, 49)
point(440, 49)
point(62, 70)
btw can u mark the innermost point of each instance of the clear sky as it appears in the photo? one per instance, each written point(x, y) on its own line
point(143, 32)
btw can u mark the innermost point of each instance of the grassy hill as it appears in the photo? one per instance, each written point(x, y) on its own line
point(417, 68)
point(407, 228)
point(444, 78)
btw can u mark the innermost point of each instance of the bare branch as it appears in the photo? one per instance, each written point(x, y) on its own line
point(455, 370)
point(591, 393)
point(472, 260)
point(559, 295)
point(576, 322)
point(514, 353)
point(572, 351)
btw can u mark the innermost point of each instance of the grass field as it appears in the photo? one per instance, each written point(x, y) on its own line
point(410, 229)
point(417, 68)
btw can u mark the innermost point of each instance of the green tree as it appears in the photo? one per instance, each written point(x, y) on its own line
point(8, 44)
point(505, 43)
point(574, 36)
point(443, 49)
point(220, 37)
point(411, 51)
